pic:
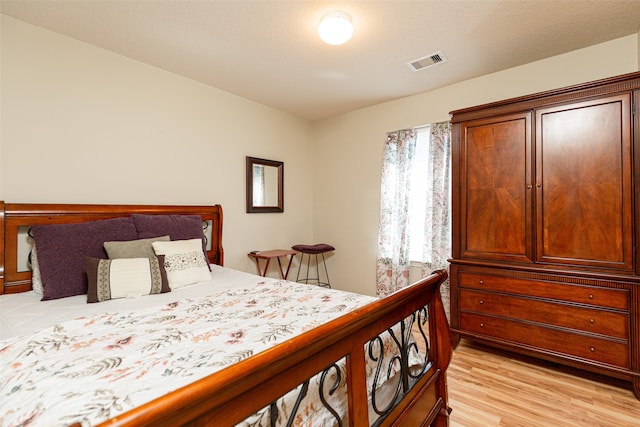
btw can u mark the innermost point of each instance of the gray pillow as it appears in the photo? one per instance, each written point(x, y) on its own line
point(140, 248)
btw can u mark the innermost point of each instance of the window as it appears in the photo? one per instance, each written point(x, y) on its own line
point(414, 204)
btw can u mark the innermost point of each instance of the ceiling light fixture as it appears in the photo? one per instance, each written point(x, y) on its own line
point(335, 27)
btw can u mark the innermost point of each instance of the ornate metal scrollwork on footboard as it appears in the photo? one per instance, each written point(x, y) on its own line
point(273, 408)
point(337, 380)
point(405, 368)
point(278, 409)
point(396, 359)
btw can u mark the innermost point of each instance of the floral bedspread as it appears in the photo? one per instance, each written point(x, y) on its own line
point(91, 369)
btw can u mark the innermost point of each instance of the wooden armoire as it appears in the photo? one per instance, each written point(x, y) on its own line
point(546, 226)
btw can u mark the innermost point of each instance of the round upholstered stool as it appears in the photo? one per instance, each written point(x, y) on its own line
point(317, 250)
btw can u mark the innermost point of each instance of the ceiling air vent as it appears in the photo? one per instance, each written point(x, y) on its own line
point(427, 61)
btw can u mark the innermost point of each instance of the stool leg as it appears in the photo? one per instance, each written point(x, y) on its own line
point(300, 267)
point(308, 264)
point(325, 272)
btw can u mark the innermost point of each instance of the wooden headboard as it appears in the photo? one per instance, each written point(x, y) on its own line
point(15, 218)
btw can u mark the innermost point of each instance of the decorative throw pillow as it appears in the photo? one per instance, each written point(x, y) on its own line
point(184, 262)
point(177, 227)
point(63, 248)
point(125, 278)
point(36, 280)
point(140, 248)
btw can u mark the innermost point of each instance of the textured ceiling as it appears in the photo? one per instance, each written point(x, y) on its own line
point(269, 51)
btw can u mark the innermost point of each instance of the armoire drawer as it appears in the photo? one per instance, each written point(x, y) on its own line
point(593, 295)
point(612, 352)
point(588, 319)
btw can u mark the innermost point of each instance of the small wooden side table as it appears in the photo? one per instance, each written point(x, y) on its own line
point(274, 253)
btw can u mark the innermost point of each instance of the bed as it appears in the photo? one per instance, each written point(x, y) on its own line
point(182, 355)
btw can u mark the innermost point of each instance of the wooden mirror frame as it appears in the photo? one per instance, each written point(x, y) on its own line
point(251, 206)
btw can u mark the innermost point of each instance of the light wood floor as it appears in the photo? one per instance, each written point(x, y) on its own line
point(491, 388)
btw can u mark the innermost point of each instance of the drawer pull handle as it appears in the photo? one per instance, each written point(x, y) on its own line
point(482, 282)
point(592, 321)
point(481, 301)
point(482, 325)
point(593, 349)
point(590, 296)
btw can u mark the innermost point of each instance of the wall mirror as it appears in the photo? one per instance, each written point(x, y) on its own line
point(265, 191)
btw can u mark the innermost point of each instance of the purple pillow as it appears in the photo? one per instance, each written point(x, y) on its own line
point(63, 249)
point(177, 227)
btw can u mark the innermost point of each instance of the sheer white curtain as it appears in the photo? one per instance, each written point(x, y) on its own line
point(437, 223)
point(393, 263)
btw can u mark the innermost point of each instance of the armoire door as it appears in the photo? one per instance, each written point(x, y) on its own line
point(495, 193)
point(584, 205)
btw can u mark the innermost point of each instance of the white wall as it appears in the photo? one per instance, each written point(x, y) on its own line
point(84, 125)
point(347, 200)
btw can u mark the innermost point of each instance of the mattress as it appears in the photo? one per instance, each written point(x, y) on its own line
point(24, 313)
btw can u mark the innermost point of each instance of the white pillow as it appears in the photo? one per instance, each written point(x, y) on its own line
point(125, 278)
point(36, 279)
point(184, 262)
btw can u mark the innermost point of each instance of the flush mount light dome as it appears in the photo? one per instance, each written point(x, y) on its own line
point(335, 27)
